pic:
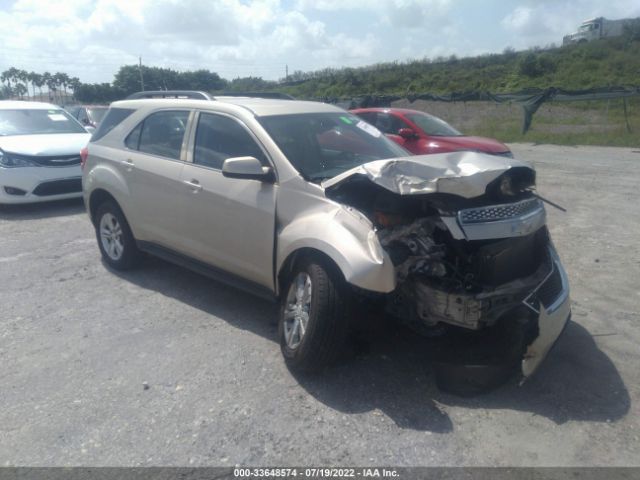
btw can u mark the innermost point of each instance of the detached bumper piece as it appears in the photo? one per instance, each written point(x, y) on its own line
point(530, 336)
point(59, 187)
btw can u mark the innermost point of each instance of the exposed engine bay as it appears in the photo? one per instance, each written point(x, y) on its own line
point(471, 263)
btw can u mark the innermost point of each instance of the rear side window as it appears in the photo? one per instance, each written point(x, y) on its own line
point(219, 138)
point(133, 140)
point(162, 133)
point(113, 118)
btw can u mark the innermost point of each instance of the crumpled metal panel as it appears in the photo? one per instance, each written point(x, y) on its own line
point(465, 174)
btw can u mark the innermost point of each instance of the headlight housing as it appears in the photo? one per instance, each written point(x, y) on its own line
point(8, 161)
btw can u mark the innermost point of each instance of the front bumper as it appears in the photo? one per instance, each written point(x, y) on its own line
point(39, 184)
point(552, 320)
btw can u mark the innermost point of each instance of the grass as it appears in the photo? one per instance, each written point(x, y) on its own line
point(562, 123)
point(597, 123)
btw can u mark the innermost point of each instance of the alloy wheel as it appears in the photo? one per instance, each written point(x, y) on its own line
point(297, 310)
point(111, 236)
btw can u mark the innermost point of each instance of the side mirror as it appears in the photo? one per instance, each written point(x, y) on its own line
point(407, 133)
point(89, 128)
point(246, 167)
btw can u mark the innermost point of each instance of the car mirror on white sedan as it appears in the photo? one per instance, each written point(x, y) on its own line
point(246, 167)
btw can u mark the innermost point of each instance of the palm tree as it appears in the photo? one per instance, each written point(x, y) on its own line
point(37, 81)
point(6, 90)
point(23, 77)
point(74, 83)
point(50, 83)
point(31, 76)
point(21, 89)
point(62, 80)
point(9, 76)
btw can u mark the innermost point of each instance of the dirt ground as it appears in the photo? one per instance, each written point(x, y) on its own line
point(160, 366)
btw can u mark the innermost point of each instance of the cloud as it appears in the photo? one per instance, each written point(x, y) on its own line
point(541, 20)
point(183, 34)
point(91, 39)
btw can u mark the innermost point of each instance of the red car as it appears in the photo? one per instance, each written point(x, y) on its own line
point(421, 133)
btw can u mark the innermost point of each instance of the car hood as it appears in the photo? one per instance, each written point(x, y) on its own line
point(472, 143)
point(465, 174)
point(49, 144)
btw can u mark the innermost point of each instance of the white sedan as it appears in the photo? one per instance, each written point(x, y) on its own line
point(40, 148)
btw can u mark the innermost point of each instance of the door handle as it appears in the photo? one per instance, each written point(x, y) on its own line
point(193, 184)
point(128, 164)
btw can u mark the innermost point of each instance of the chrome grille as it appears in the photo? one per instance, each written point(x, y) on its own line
point(494, 213)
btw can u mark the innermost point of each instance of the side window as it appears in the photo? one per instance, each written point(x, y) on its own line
point(114, 117)
point(133, 140)
point(162, 133)
point(397, 124)
point(388, 123)
point(369, 117)
point(219, 138)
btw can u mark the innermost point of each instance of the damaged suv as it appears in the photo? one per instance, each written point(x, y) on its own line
point(306, 204)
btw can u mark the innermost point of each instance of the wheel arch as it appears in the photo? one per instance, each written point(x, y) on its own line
point(299, 255)
point(97, 198)
point(343, 238)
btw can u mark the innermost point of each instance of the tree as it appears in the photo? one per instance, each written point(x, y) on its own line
point(37, 80)
point(9, 76)
point(20, 89)
point(5, 92)
point(62, 80)
point(74, 83)
point(50, 82)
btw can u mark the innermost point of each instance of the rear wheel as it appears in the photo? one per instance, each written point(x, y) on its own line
point(115, 240)
point(312, 324)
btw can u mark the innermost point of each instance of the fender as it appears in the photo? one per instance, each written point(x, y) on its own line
point(108, 179)
point(348, 239)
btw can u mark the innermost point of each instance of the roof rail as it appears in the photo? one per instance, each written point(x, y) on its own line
point(193, 94)
point(271, 95)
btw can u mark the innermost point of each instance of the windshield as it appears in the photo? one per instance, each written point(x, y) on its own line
point(97, 113)
point(35, 122)
point(323, 145)
point(433, 125)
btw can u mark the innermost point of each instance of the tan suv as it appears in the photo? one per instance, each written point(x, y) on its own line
point(306, 204)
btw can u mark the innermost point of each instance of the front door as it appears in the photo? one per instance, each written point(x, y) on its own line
point(230, 222)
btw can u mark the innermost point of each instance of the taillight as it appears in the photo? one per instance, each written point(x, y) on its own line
point(84, 153)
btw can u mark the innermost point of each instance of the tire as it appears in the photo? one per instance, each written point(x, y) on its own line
point(318, 343)
point(115, 240)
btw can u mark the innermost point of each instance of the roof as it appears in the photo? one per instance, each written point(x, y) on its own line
point(403, 111)
point(23, 105)
point(260, 107)
point(383, 109)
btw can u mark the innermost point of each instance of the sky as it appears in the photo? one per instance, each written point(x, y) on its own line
point(91, 39)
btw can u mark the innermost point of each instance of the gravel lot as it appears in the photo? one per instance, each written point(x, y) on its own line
point(78, 342)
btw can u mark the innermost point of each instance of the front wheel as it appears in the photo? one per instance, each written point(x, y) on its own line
point(312, 324)
point(115, 240)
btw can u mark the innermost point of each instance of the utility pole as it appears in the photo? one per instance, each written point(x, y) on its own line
point(286, 73)
point(141, 78)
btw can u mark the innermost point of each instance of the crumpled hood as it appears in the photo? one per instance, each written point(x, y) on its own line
point(465, 174)
point(48, 144)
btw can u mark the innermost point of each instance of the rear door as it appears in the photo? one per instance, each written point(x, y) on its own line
point(230, 222)
point(153, 164)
